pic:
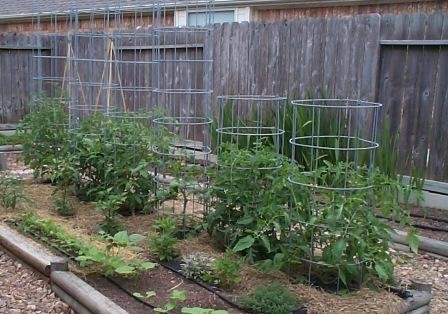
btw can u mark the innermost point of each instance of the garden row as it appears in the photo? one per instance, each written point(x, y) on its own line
point(249, 208)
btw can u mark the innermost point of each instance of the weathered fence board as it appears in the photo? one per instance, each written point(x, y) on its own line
point(340, 57)
point(413, 85)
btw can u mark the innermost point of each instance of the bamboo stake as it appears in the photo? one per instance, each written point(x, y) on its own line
point(119, 81)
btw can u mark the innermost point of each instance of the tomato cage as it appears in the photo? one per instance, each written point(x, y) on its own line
point(333, 147)
point(249, 146)
point(183, 127)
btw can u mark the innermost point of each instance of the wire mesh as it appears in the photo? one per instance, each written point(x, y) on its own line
point(335, 141)
point(183, 93)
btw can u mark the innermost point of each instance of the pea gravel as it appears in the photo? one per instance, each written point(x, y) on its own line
point(24, 291)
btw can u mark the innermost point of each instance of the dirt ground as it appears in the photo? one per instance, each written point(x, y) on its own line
point(85, 223)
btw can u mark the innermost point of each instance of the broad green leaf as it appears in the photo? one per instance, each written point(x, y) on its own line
point(245, 220)
point(199, 310)
point(413, 240)
point(266, 242)
point(138, 295)
point(244, 243)
point(136, 237)
point(338, 249)
point(148, 265)
point(125, 270)
point(147, 295)
point(121, 236)
point(381, 271)
point(179, 295)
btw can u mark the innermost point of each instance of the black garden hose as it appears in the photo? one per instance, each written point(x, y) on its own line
point(419, 226)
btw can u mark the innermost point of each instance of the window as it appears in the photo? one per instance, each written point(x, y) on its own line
point(199, 18)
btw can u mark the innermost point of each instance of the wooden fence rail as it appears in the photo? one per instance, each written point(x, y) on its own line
point(398, 60)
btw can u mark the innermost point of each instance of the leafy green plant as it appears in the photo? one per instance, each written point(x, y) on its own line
point(199, 310)
point(164, 243)
point(15, 139)
point(176, 296)
point(166, 224)
point(147, 295)
point(270, 299)
point(109, 205)
point(249, 197)
point(45, 134)
point(108, 261)
point(62, 204)
point(186, 181)
point(11, 191)
point(342, 227)
point(63, 174)
point(227, 271)
point(114, 153)
point(196, 265)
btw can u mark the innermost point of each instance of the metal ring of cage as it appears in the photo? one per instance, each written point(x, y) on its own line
point(183, 121)
point(198, 152)
point(183, 29)
point(326, 188)
point(371, 144)
point(182, 91)
point(193, 150)
point(251, 131)
point(333, 103)
point(252, 97)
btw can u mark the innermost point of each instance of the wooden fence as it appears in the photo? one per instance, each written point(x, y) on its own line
point(399, 60)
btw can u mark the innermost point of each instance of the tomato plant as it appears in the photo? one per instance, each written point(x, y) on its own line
point(249, 197)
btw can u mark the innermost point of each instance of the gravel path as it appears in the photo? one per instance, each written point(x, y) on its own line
point(24, 291)
point(430, 269)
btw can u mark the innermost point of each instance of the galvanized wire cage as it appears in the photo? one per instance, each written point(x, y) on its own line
point(184, 68)
point(335, 141)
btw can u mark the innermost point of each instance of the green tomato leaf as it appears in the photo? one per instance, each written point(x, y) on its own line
point(338, 249)
point(381, 271)
point(266, 242)
point(244, 243)
point(245, 220)
point(413, 240)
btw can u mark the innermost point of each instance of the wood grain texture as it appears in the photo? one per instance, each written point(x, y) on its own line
point(338, 57)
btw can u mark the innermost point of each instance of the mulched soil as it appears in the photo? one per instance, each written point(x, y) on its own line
point(24, 291)
point(85, 223)
point(429, 269)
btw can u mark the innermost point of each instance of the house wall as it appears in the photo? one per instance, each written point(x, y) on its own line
point(62, 24)
point(271, 15)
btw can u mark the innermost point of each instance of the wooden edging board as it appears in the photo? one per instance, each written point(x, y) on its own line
point(80, 296)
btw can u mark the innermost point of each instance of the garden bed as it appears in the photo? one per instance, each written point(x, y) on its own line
point(430, 222)
point(84, 224)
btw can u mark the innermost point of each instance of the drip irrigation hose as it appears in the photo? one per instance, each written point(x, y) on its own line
point(419, 226)
point(439, 219)
point(205, 286)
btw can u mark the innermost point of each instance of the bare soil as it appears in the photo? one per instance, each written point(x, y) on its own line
point(421, 222)
point(84, 224)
